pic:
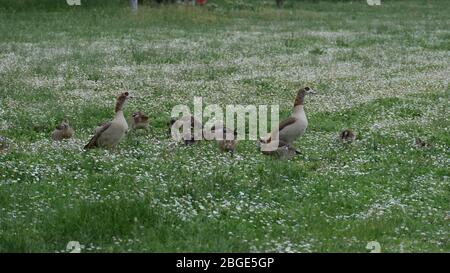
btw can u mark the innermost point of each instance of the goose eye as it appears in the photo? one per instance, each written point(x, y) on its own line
point(307, 88)
point(126, 94)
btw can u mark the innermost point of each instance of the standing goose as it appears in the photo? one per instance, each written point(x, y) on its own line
point(110, 133)
point(62, 131)
point(293, 127)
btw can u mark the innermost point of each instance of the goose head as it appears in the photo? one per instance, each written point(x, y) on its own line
point(139, 117)
point(300, 99)
point(121, 99)
point(64, 125)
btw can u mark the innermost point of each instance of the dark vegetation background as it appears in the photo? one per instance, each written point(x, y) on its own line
point(17, 5)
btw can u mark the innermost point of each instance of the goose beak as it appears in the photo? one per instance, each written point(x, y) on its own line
point(311, 92)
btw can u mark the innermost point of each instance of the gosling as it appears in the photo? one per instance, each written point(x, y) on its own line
point(194, 132)
point(226, 138)
point(347, 136)
point(62, 131)
point(139, 120)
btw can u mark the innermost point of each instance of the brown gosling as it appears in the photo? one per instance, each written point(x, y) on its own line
point(420, 143)
point(4, 144)
point(109, 134)
point(284, 151)
point(62, 131)
point(226, 138)
point(139, 120)
point(347, 136)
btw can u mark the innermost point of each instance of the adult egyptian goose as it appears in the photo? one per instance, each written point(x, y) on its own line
point(226, 138)
point(139, 120)
point(293, 127)
point(110, 133)
point(194, 129)
point(62, 131)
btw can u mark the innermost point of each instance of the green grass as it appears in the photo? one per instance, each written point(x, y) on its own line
point(382, 71)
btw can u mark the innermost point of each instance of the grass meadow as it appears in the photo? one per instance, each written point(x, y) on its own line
point(382, 71)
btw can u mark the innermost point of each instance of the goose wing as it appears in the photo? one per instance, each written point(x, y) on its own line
point(99, 131)
point(286, 123)
point(281, 126)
